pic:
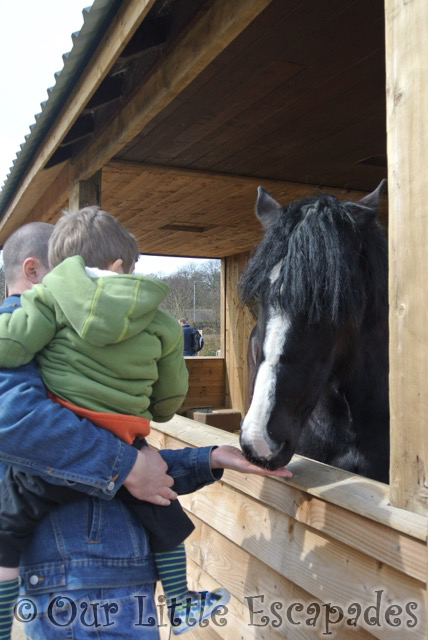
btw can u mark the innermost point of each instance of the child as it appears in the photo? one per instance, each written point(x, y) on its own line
point(108, 353)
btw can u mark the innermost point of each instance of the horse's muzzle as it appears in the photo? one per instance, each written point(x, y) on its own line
point(279, 459)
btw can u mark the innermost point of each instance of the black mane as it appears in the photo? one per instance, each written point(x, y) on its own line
point(313, 240)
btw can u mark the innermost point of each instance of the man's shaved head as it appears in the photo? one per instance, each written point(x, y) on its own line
point(30, 240)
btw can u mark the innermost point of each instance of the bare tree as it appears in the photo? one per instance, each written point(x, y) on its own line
point(180, 296)
point(194, 293)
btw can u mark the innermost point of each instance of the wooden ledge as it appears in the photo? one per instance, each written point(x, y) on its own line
point(196, 358)
point(356, 494)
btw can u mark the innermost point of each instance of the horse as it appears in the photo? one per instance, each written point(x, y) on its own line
point(319, 281)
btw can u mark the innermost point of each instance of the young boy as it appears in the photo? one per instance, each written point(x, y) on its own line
point(108, 353)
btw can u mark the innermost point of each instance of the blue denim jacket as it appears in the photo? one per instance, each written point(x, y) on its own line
point(96, 541)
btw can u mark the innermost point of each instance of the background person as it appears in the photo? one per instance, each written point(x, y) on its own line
point(193, 341)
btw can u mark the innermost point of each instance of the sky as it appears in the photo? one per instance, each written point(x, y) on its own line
point(33, 38)
point(162, 265)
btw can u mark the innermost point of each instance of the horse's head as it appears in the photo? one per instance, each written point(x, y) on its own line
point(313, 276)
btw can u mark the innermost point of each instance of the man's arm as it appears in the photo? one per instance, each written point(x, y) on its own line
point(43, 438)
point(190, 468)
point(194, 468)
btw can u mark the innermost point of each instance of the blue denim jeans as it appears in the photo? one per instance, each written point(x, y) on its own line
point(124, 613)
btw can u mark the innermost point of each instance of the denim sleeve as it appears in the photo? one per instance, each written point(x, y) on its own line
point(43, 438)
point(190, 468)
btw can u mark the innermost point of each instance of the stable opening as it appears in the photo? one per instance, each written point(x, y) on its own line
point(194, 293)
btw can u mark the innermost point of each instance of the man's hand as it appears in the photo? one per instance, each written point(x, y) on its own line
point(148, 479)
point(227, 457)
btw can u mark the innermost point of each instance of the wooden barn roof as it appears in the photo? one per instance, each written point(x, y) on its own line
point(187, 106)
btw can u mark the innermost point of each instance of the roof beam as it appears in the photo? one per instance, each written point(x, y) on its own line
point(122, 28)
point(208, 36)
point(151, 34)
point(140, 168)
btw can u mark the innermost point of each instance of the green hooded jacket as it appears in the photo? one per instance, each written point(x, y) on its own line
point(101, 341)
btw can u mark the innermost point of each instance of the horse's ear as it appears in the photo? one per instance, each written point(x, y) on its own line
point(365, 210)
point(268, 210)
point(372, 199)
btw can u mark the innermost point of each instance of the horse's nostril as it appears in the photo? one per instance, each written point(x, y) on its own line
point(284, 445)
point(253, 458)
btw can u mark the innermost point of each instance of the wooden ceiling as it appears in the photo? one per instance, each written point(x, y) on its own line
point(298, 97)
point(191, 213)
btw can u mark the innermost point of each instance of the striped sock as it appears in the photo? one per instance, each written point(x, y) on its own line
point(171, 566)
point(9, 590)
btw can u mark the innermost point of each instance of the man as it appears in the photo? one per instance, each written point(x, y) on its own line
point(90, 555)
point(93, 461)
point(189, 334)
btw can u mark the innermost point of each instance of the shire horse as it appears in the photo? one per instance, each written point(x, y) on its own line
point(320, 347)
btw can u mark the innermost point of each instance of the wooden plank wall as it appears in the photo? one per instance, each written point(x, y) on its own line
point(269, 541)
point(238, 325)
point(206, 383)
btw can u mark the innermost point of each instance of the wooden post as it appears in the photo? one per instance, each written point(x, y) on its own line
point(407, 130)
point(85, 193)
point(223, 308)
point(238, 325)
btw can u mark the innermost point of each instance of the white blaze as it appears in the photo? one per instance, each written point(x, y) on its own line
point(254, 432)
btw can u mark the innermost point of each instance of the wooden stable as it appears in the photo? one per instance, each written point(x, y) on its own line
point(174, 113)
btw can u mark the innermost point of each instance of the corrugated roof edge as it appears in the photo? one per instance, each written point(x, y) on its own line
point(95, 21)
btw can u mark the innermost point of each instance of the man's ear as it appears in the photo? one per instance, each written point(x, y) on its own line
point(32, 270)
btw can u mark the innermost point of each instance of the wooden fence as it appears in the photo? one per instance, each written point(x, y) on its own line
point(206, 383)
point(288, 551)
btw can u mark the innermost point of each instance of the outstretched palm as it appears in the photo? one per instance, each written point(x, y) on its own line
point(228, 457)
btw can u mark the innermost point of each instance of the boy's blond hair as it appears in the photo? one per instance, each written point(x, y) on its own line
point(96, 236)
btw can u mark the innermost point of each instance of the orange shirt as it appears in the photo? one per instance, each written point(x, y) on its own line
point(125, 427)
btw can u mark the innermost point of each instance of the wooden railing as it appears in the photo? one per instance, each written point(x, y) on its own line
point(325, 536)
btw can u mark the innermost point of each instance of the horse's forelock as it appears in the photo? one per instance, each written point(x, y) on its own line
point(260, 265)
point(317, 245)
point(320, 276)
